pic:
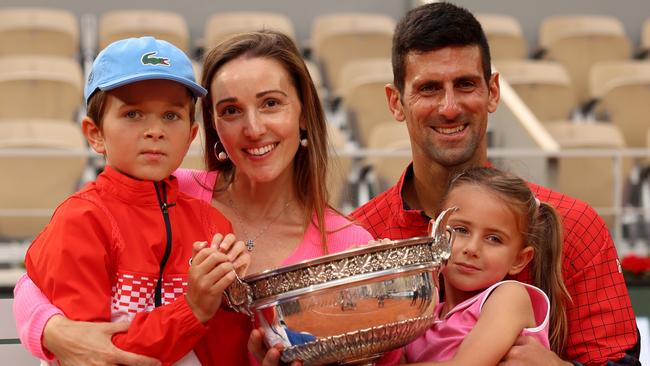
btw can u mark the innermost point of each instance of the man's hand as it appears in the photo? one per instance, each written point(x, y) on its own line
point(527, 351)
point(78, 343)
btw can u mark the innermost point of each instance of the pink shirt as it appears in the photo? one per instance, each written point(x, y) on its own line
point(442, 340)
point(32, 309)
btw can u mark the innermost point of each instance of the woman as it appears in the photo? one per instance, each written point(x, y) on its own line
point(266, 155)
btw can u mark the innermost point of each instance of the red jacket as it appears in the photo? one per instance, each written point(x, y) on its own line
point(99, 260)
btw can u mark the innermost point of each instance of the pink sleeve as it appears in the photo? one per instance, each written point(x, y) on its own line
point(32, 310)
point(196, 183)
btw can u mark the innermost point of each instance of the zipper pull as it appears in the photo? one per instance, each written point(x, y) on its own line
point(166, 205)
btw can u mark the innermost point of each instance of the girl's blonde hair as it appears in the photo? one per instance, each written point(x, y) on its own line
point(542, 230)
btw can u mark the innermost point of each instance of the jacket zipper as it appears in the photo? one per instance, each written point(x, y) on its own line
point(162, 201)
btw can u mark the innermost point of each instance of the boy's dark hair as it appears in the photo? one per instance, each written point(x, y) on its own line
point(433, 26)
point(97, 105)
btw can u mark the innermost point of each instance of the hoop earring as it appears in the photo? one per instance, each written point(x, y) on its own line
point(221, 156)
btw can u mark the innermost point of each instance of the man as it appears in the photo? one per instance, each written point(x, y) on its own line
point(443, 90)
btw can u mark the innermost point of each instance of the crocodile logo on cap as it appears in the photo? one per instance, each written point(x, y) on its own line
point(150, 59)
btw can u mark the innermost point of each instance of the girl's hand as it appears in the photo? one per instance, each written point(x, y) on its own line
point(379, 241)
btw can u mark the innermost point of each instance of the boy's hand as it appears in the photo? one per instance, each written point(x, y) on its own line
point(237, 253)
point(211, 272)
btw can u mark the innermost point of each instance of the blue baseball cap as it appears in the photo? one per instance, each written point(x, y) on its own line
point(135, 59)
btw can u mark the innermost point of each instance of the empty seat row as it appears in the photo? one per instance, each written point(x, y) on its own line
point(38, 31)
point(34, 86)
point(575, 41)
point(619, 92)
point(43, 163)
point(573, 172)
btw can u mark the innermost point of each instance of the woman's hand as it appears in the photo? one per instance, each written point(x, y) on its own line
point(236, 251)
point(265, 356)
point(78, 343)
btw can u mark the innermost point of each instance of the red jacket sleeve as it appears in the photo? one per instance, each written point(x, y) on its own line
point(71, 262)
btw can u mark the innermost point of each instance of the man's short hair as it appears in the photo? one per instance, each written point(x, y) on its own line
point(431, 27)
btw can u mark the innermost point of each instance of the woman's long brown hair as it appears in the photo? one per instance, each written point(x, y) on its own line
point(310, 163)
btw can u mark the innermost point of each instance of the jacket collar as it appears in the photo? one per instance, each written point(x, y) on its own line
point(405, 215)
point(133, 191)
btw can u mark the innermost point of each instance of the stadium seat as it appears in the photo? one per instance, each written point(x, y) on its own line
point(38, 31)
point(317, 78)
point(363, 95)
point(621, 91)
point(644, 43)
point(221, 25)
point(505, 37)
point(340, 38)
point(339, 167)
point(35, 178)
point(169, 26)
point(194, 158)
point(544, 86)
point(40, 87)
point(389, 136)
point(580, 41)
point(574, 172)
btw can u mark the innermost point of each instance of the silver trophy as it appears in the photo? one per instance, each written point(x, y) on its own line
point(350, 307)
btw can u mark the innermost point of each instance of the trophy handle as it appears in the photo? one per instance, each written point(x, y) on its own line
point(238, 296)
point(443, 236)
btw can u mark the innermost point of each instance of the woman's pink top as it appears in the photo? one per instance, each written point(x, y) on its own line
point(32, 309)
point(442, 340)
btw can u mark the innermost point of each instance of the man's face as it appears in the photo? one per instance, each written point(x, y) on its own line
point(445, 103)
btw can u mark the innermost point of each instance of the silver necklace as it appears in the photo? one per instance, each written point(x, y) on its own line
point(250, 243)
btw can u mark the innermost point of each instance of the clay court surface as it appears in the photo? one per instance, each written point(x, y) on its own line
point(331, 320)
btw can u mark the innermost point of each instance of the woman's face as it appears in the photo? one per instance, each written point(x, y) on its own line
point(257, 116)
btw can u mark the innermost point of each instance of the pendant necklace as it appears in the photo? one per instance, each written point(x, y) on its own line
point(250, 243)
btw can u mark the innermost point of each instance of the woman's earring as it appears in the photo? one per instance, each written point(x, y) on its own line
point(303, 138)
point(221, 155)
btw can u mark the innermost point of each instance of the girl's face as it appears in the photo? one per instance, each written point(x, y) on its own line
point(489, 243)
point(146, 129)
point(257, 116)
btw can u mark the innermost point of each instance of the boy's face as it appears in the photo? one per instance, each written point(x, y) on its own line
point(146, 129)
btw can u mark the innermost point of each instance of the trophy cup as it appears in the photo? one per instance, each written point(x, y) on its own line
point(350, 307)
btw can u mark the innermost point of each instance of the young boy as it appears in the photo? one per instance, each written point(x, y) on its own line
point(120, 248)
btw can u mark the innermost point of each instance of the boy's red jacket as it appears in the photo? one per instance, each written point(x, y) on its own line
point(99, 260)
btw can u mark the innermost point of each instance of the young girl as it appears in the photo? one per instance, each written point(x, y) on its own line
point(500, 228)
